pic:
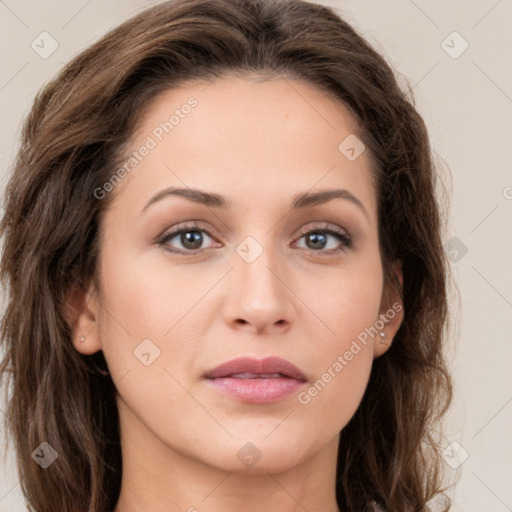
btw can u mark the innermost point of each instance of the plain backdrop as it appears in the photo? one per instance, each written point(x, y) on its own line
point(457, 55)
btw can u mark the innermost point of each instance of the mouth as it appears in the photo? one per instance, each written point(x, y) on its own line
point(248, 379)
point(247, 375)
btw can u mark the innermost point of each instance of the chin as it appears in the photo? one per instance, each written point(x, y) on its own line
point(259, 458)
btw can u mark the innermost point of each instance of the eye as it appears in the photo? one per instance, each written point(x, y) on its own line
point(190, 236)
point(317, 239)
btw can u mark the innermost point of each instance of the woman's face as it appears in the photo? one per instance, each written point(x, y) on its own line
point(252, 275)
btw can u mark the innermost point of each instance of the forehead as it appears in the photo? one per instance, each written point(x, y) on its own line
point(249, 138)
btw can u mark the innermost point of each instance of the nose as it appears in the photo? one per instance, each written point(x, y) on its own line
point(259, 301)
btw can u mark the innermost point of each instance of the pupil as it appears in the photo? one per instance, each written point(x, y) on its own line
point(314, 238)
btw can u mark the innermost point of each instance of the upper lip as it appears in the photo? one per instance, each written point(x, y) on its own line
point(268, 365)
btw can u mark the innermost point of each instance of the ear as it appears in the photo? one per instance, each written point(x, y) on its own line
point(82, 313)
point(391, 313)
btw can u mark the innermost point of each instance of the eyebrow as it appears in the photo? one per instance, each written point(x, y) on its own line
point(304, 200)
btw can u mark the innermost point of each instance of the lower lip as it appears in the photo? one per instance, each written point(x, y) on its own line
point(258, 391)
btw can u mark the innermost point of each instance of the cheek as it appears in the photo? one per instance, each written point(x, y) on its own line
point(347, 302)
point(146, 336)
point(348, 306)
point(147, 300)
point(135, 315)
point(343, 355)
point(336, 394)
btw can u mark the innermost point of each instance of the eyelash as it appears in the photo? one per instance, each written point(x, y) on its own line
point(342, 236)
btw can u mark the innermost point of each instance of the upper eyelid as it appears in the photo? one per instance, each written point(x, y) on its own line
point(323, 225)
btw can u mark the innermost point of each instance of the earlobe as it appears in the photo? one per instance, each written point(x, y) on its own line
point(81, 311)
point(391, 314)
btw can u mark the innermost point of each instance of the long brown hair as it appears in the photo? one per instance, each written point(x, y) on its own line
point(389, 452)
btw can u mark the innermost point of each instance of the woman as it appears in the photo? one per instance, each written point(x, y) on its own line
point(224, 272)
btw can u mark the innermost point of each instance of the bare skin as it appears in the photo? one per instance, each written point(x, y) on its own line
point(258, 144)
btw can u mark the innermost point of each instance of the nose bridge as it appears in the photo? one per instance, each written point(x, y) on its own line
point(260, 296)
point(258, 263)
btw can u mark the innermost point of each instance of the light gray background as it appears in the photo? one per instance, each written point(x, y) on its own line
point(467, 104)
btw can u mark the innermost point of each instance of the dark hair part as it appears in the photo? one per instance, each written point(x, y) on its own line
point(72, 140)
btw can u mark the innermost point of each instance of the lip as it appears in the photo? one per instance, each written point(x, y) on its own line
point(267, 380)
